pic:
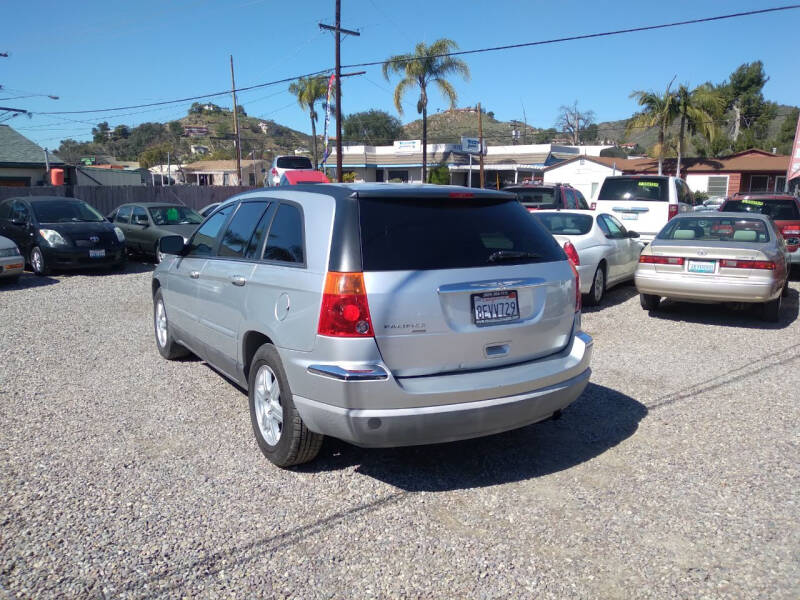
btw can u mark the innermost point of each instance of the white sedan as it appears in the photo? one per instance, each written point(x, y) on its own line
point(604, 252)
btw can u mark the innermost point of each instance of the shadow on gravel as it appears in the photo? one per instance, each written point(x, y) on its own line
point(600, 419)
point(26, 281)
point(615, 296)
point(748, 317)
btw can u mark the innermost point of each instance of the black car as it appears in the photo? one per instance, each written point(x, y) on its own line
point(61, 233)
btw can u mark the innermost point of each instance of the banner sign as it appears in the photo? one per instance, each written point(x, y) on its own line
point(794, 160)
point(472, 145)
point(325, 150)
point(408, 146)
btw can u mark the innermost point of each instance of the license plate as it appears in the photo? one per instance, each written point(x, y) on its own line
point(97, 253)
point(490, 308)
point(629, 216)
point(701, 266)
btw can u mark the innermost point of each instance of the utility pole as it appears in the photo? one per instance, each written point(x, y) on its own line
point(337, 29)
point(237, 141)
point(480, 142)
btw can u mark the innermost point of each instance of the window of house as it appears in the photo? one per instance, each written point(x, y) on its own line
point(241, 229)
point(595, 185)
point(780, 183)
point(717, 186)
point(401, 175)
point(285, 240)
point(758, 183)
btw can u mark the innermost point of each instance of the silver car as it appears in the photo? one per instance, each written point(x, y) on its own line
point(11, 261)
point(383, 315)
point(716, 257)
point(603, 250)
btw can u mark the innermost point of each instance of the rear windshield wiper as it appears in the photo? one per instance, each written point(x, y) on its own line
point(510, 255)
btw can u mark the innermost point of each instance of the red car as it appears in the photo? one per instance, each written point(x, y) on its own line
point(542, 196)
point(783, 208)
point(297, 177)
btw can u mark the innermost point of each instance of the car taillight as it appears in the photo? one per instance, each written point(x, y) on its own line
point(594, 205)
point(345, 312)
point(748, 264)
point(790, 230)
point(673, 211)
point(572, 253)
point(660, 260)
point(274, 172)
point(577, 287)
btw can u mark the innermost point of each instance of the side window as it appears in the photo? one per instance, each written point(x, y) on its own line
point(581, 201)
point(613, 227)
point(5, 210)
point(139, 216)
point(601, 223)
point(241, 229)
point(571, 202)
point(253, 251)
point(124, 215)
point(19, 211)
point(285, 242)
point(615, 222)
point(203, 240)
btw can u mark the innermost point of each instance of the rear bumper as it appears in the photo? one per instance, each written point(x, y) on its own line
point(425, 410)
point(683, 286)
point(11, 266)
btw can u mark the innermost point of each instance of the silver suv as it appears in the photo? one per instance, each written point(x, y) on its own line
point(383, 315)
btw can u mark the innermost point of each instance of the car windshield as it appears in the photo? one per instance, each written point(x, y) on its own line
point(779, 210)
point(174, 215)
point(535, 197)
point(294, 162)
point(716, 229)
point(65, 211)
point(648, 189)
point(565, 223)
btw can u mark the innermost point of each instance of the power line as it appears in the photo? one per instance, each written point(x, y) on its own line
point(455, 53)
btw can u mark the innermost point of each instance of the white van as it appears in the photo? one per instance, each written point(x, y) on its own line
point(644, 202)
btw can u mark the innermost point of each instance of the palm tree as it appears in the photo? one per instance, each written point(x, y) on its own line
point(309, 91)
point(697, 110)
point(659, 111)
point(427, 64)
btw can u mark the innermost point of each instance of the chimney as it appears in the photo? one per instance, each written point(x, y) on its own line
point(774, 150)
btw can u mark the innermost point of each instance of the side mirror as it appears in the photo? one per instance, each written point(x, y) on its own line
point(171, 244)
point(633, 234)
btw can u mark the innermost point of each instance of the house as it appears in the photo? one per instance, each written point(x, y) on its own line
point(23, 163)
point(223, 172)
point(195, 130)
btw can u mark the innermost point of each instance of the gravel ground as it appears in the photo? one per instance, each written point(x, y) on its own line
point(123, 475)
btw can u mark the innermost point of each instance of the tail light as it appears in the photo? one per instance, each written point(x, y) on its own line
point(274, 172)
point(790, 230)
point(649, 259)
point(673, 211)
point(748, 264)
point(345, 312)
point(572, 253)
point(577, 287)
point(594, 205)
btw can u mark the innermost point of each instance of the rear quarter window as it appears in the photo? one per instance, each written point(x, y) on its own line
point(641, 189)
point(561, 223)
point(412, 234)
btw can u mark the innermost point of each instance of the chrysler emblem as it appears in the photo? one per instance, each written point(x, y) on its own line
point(94, 239)
point(702, 252)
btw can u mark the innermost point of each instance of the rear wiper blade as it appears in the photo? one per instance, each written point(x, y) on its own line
point(509, 255)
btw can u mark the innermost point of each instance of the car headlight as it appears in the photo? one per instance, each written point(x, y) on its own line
point(52, 237)
point(9, 252)
point(120, 235)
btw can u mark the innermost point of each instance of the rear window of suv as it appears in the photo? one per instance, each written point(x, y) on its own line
point(778, 209)
point(648, 189)
point(535, 197)
point(422, 234)
point(294, 162)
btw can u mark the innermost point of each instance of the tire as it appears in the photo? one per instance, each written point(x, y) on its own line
point(38, 264)
point(166, 344)
point(772, 310)
point(598, 290)
point(157, 256)
point(649, 301)
point(280, 432)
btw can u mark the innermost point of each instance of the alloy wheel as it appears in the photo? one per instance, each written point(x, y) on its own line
point(269, 411)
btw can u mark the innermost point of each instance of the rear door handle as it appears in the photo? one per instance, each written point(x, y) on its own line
point(194, 274)
point(238, 280)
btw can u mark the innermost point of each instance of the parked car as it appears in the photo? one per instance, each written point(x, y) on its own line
point(646, 202)
point(604, 252)
point(542, 196)
point(349, 311)
point(54, 232)
point(784, 209)
point(283, 163)
point(11, 262)
point(719, 257)
point(292, 177)
point(710, 204)
point(147, 222)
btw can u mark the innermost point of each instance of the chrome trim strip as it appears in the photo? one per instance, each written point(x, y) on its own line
point(634, 209)
point(367, 373)
point(491, 285)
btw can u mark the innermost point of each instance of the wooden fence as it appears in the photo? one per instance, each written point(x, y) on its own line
point(106, 198)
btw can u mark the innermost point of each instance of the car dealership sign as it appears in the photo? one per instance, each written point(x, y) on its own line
point(472, 145)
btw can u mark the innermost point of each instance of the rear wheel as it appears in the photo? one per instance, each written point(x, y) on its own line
point(772, 310)
point(38, 264)
point(166, 344)
point(649, 301)
point(598, 286)
point(280, 432)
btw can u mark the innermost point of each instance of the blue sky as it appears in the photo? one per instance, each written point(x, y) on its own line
point(111, 53)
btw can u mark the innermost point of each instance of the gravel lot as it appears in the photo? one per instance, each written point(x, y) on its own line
point(124, 475)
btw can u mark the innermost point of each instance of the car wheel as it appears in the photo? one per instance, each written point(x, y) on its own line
point(280, 432)
point(166, 344)
point(772, 310)
point(598, 287)
point(649, 301)
point(38, 264)
point(157, 255)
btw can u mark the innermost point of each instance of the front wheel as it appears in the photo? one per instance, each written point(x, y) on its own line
point(280, 432)
point(649, 301)
point(598, 287)
point(772, 310)
point(38, 263)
